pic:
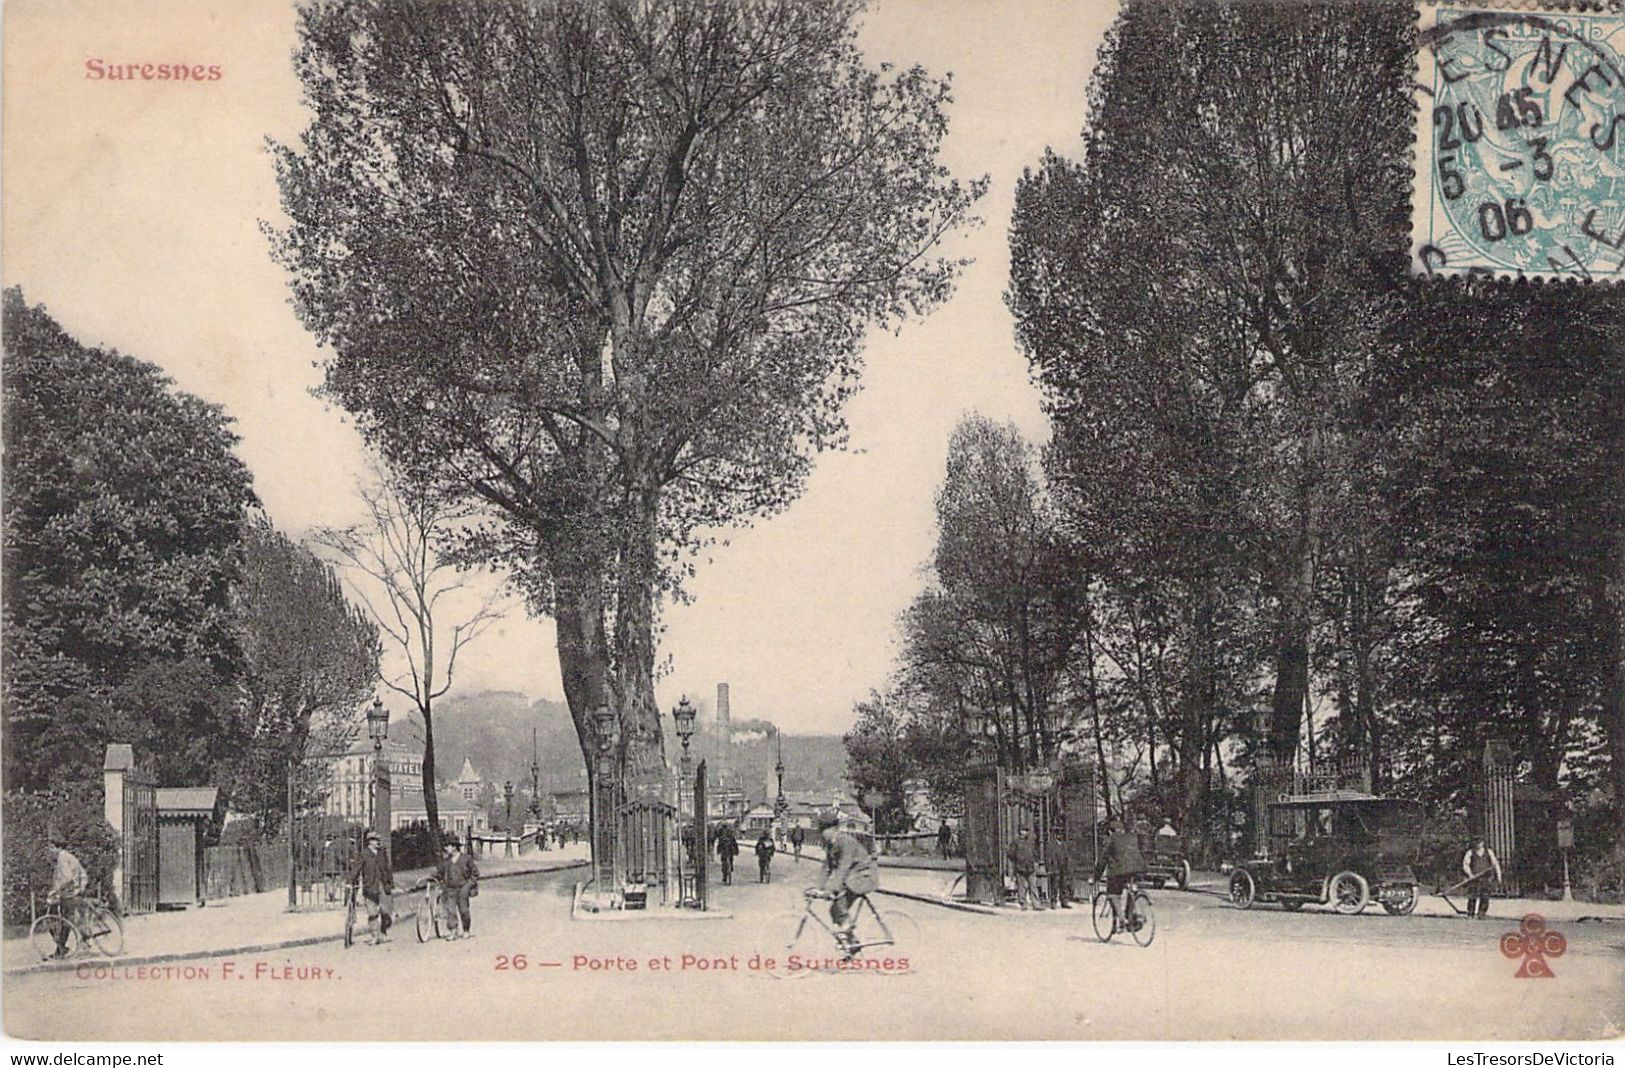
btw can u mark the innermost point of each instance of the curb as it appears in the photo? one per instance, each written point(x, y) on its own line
point(45, 968)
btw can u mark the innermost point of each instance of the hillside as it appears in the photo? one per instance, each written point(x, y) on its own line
point(493, 730)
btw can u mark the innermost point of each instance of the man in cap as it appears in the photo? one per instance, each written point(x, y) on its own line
point(849, 873)
point(1478, 864)
point(459, 882)
point(372, 874)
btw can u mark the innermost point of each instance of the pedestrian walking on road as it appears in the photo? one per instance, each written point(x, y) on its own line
point(727, 850)
point(372, 874)
point(1024, 862)
point(945, 836)
point(764, 858)
point(1060, 867)
point(459, 883)
point(797, 836)
point(1478, 865)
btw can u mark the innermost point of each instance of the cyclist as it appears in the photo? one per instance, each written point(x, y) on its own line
point(1120, 861)
point(68, 882)
point(849, 873)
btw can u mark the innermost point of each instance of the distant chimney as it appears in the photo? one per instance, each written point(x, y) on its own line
point(725, 730)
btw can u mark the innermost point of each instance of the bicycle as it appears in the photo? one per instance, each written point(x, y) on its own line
point(429, 912)
point(807, 936)
point(97, 925)
point(1141, 923)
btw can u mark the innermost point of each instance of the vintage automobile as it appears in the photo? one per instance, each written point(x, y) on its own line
point(1341, 848)
point(1165, 860)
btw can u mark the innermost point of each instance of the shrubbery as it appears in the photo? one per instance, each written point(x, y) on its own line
point(77, 814)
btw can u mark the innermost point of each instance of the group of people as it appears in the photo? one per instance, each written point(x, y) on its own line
point(726, 842)
point(374, 881)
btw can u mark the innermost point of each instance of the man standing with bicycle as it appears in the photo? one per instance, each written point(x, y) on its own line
point(68, 883)
point(849, 873)
point(1120, 861)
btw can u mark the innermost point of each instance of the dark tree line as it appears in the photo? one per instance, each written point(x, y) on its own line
point(1306, 503)
point(146, 599)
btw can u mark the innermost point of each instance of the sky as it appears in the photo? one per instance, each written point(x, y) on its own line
point(133, 210)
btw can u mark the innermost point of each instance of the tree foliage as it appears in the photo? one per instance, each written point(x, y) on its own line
point(607, 268)
point(124, 507)
point(310, 661)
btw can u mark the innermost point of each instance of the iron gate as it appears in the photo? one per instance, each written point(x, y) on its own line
point(140, 889)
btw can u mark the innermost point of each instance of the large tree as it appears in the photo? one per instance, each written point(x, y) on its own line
point(124, 508)
point(1278, 245)
point(310, 662)
point(609, 266)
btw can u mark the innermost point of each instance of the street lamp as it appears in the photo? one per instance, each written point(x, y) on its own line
point(378, 729)
point(780, 805)
point(683, 718)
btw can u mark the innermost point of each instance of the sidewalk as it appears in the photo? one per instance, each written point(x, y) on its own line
point(256, 923)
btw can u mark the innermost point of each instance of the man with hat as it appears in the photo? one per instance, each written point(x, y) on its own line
point(459, 881)
point(849, 873)
point(372, 874)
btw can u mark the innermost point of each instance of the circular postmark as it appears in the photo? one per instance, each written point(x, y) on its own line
point(1527, 122)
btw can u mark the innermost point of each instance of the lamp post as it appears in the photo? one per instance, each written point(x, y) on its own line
point(780, 805)
point(378, 730)
point(683, 718)
point(535, 780)
point(603, 841)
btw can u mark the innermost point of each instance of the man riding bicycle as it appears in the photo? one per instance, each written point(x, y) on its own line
point(68, 883)
point(1120, 861)
point(849, 873)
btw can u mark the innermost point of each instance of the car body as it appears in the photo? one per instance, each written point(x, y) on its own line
point(1342, 848)
point(1165, 860)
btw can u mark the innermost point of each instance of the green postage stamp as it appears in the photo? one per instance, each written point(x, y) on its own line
point(1520, 150)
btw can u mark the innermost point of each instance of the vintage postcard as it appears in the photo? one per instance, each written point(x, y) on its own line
point(813, 519)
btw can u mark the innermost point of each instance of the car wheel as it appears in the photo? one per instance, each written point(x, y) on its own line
point(1183, 879)
point(1243, 892)
point(1349, 893)
point(1403, 906)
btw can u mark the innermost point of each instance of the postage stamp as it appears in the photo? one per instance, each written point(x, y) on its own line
point(1520, 143)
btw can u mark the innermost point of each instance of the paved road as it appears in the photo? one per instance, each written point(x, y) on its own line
point(1213, 973)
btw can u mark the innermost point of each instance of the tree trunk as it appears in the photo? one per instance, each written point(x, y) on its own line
point(641, 750)
point(1612, 611)
point(431, 800)
point(583, 654)
point(1198, 696)
point(1292, 652)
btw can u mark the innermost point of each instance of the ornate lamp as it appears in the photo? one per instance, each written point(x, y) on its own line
point(378, 723)
point(683, 717)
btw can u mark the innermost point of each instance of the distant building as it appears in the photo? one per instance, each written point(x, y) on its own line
point(469, 782)
point(570, 804)
point(457, 816)
point(350, 776)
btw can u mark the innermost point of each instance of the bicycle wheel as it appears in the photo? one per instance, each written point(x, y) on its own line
point(882, 931)
point(1145, 918)
point(105, 931)
point(1103, 911)
point(51, 931)
point(428, 919)
point(795, 943)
